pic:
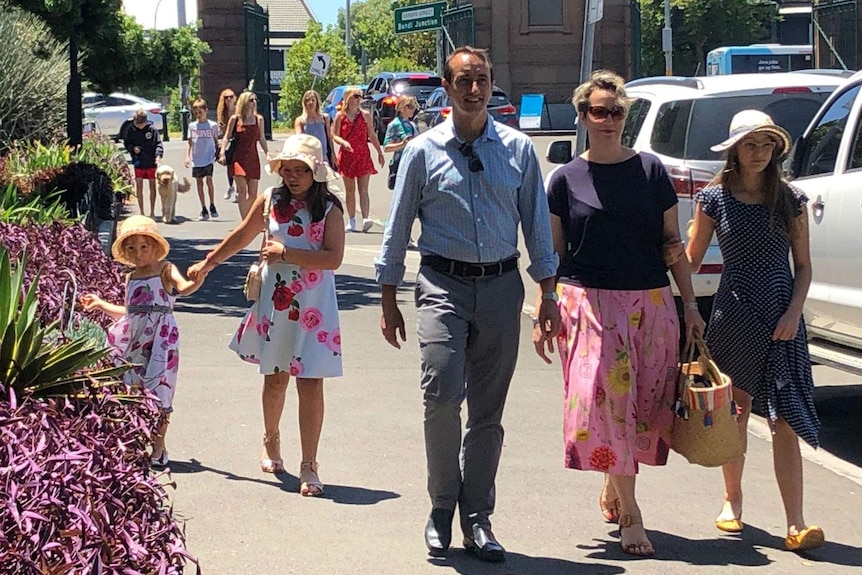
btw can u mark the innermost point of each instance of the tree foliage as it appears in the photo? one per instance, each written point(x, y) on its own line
point(145, 61)
point(116, 51)
point(373, 28)
point(701, 26)
point(343, 69)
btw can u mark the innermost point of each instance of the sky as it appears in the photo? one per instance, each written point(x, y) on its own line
point(163, 13)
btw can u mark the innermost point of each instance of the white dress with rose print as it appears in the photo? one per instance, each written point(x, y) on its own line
point(294, 326)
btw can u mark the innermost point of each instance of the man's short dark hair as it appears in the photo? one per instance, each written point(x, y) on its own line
point(478, 52)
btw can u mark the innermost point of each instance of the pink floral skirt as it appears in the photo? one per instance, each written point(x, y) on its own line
point(620, 356)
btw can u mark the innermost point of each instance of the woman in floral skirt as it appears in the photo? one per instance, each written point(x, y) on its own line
point(613, 211)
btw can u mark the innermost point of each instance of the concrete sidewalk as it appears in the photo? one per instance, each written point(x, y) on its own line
point(242, 521)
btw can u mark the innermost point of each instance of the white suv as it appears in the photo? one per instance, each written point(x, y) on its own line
point(678, 119)
point(827, 165)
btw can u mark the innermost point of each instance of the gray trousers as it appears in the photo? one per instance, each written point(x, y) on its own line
point(468, 333)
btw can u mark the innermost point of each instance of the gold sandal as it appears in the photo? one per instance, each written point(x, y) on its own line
point(267, 464)
point(309, 482)
point(639, 549)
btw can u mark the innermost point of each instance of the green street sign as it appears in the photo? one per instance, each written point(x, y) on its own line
point(419, 17)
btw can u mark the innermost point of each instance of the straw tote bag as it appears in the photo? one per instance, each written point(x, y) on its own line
point(704, 429)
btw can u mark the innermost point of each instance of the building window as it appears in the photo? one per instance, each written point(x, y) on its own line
point(545, 12)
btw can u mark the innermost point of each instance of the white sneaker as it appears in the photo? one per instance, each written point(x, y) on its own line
point(366, 225)
point(231, 191)
point(351, 225)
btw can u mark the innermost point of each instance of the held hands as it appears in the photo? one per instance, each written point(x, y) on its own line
point(672, 250)
point(221, 159)
point(546, 328)
point(787, 327)
point(198, 272)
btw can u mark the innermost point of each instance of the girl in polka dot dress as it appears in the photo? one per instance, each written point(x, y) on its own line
point(756, 332)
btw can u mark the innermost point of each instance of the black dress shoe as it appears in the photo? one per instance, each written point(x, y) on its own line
point(438, 531)
point(484, 545)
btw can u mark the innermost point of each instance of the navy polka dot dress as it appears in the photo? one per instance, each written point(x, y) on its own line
point(754, 292)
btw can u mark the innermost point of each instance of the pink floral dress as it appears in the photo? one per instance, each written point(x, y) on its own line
point(294, 326)
point(148, 337)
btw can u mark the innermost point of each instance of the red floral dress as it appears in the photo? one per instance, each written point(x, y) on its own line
point(294, 326)
point(358, 162)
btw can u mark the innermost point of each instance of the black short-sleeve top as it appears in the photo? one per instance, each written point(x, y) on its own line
point(613, 219)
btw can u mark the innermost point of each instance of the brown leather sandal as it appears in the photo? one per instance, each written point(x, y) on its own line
point(640, 548)
point(309, 482)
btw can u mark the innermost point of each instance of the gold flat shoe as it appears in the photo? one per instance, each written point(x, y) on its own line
point(730, 525)
point(809, 538)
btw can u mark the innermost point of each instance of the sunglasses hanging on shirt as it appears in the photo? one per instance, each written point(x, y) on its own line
point(475, 163)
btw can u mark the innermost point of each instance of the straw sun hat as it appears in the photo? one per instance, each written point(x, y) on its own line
point(139, 226)
point(305, 148)
point(755, 122)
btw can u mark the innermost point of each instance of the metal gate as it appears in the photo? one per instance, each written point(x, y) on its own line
point(836, 42)
point(257, 73)
point(460, 27)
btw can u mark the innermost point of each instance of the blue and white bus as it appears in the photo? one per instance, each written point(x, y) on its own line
point(759, 58)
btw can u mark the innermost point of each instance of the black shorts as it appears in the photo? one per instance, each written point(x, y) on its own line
point(202, 171)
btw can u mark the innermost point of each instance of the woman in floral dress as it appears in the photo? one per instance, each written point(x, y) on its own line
point(612, 212)
point(293, 328)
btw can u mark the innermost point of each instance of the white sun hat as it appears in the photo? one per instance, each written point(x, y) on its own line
point(755, 122)
point(305, 148)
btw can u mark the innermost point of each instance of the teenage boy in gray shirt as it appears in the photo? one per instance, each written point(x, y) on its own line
point(200, 155)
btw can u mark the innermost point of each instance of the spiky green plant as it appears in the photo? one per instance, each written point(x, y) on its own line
point(18, 209)
point(34, 71)
point(30, 360)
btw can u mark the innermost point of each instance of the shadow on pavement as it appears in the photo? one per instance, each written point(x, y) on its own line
point(839, 408)
point(743, 550)
point(342, 494)
point(463, 562)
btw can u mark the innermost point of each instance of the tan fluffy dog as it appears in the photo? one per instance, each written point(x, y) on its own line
point(168, 186)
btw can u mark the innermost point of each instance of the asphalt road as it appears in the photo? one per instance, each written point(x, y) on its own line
point(242, 521)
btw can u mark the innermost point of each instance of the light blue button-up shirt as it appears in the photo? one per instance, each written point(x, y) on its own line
point(469, 216)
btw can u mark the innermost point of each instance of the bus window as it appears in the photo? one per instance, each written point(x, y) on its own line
point(759, 58)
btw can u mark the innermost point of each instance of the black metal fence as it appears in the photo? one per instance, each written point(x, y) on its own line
point(836, 33)
point(257, 60)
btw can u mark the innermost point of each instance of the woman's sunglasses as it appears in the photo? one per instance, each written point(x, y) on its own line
point(598, 113)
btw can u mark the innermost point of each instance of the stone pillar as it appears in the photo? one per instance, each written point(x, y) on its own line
point(223, 28)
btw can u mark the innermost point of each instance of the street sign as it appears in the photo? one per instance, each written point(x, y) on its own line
point(597, 9)
point(319, 65)
point(419, 17)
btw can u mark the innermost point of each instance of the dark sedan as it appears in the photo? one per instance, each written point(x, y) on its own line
point(437, 109)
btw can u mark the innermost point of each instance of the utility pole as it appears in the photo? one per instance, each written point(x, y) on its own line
point(347, 27)
point(667, 41)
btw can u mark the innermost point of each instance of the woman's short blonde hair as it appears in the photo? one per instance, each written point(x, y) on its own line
point(404, 101)
point(601, 80)
point(348, 93)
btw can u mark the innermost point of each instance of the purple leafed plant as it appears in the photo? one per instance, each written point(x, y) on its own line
point(76, 491)
point(52, 248)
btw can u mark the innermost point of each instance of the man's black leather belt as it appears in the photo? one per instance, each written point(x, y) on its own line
point(467, 269)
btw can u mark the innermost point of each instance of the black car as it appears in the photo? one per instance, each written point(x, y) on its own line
point(437, 109)
point(385, 88)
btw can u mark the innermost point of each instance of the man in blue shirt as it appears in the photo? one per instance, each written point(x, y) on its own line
point(471, 181)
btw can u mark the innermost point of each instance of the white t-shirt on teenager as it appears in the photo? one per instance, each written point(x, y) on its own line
point(202, 136)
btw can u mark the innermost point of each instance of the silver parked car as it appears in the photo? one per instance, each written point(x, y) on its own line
point(108, 113)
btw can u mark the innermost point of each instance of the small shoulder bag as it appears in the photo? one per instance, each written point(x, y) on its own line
point(254, 277)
